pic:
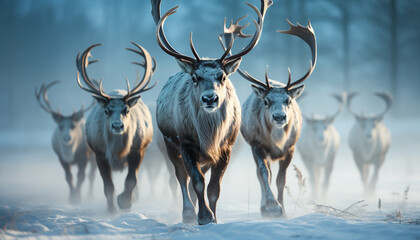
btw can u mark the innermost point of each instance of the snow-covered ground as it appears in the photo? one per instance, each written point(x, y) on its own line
point(34, 198)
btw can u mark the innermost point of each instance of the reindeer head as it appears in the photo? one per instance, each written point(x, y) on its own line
point(118, 103)
point(277, 97)
point(369, 123)
point(208, 76)
point(66, 125)
point(319, 124)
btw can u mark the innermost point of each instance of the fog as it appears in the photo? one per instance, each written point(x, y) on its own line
point(364, 46)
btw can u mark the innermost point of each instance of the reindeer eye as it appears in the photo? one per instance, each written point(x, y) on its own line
point(266, 102)
point(106, 112)
point(126, 110)
point(223, 79)
point(72, 126)
point(194, 78)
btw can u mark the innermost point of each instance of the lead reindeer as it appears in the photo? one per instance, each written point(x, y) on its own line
point(271, 121)
point(318, 146)
point(69, 143)
point(119, 128)
point(369, 140)
point(198, 113)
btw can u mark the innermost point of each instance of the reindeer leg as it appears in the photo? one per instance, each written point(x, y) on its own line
point(188, 212)
point(315, 179)
point(193, 195)
point(364, 172)
point(191, 162)
point(106, 175)
point(217, 172)
point(172, 178)
point(327, 175)
point(374, 180)
point(69, 177)
point(92, 172)
point(126, 198)
point(281, 179)
point(269, 205)
point(80, 179)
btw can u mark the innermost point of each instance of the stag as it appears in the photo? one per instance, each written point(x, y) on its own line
point(369, 141)
point(198, 113)
point(318, 146)
point(119, 128)
point(271, 120)
point(69, 143)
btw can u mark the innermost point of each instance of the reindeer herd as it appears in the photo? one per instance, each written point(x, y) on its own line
point(199, 117)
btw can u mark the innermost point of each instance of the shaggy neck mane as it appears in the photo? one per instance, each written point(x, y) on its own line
point(69, 150)
point(279, 136)
point(118, 146)
point(213, 128)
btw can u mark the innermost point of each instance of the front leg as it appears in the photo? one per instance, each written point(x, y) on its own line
point(106, 175)
point(69, 179)
point(80, 179)
point(188, 212)
point(217, 172)
point(126, 198)
point(269, 205)
point(281, 178)
point(328, 170)
point(191, 162)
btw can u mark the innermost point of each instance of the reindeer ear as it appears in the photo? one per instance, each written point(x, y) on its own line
point(133, 101)
point(102, 102)
point(186, 66)
point(77, 116)
point(296, 92)
point(259, 91)
point(232, 66)
point(57, 117)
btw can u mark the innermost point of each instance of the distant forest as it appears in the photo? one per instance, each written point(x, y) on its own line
point(363, 45)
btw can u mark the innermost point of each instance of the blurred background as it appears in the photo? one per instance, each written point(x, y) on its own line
point(364, 46)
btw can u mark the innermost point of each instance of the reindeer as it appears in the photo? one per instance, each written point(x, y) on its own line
point(69, 143)
point(318, 146)
point(271, 120)
point(369, 140)
point(198, 113)
point(119, 128)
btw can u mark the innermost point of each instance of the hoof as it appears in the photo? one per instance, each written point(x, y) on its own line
point(125, 200)
point(111, 209)
point(272, 211)
point(205, 217)
point(75, 198)
point(188, 216)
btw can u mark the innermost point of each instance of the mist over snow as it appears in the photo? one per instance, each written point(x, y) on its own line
point(362, 47)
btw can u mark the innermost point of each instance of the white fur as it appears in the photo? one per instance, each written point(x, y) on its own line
point(370, 150)
point(138, 134)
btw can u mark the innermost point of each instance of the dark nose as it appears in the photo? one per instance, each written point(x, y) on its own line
point(66, 138)
point(209, 99)
point(117, 125)
point(279, 117)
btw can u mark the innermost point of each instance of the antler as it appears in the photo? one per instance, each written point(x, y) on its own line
point(161, 38)
point(256, 36)
point(166, 46)
point(383, 95)
point(142, 85)
point(388, 101)
point(45, 104)
point(340, 99)
point(306, 34)
point(235, 30)
point(350, 97)
point(82, 62)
